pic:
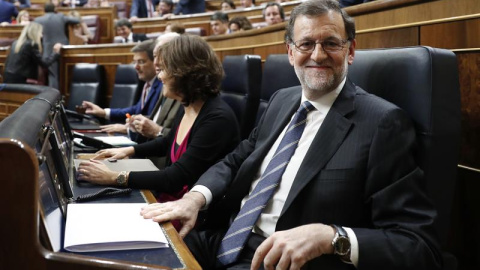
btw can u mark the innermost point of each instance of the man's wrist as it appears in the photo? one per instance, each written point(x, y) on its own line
point(197, 198)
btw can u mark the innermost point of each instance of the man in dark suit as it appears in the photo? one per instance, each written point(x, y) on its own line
point(21, 3)
point(143, 9)
point(343, 187)
point(125, 34)
point(7, 11)
point(152, 87)
point(54, 25)
point(189, 7)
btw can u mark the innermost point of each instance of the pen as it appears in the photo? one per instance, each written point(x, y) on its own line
point(128, 115)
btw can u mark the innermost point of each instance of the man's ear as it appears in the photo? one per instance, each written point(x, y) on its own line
point(290, 53)
point(351, 51)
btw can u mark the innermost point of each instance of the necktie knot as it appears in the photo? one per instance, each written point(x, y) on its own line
point(305, 107)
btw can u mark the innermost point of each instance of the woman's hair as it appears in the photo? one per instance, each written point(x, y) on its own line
point(177, 27)
point(31, 32)
point(195, 68)
point(242, 22)
point(20, 15)
point(230, 3)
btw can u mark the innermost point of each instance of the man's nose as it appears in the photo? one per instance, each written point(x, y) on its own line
point(318, 53)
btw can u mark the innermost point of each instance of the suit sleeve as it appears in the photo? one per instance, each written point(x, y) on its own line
point(401, 212)
point(134, 9)
point(206, 146)
point(118, 114)
point(40, 60)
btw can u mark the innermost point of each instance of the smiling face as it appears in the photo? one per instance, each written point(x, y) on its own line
point(123, 31)
point(320, 72)
point(163, 8)
point(218, 27)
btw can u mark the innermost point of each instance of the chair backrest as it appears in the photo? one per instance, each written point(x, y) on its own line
point(241, 88)
point(94, 26)
point(277, 74)
point(87, 83)
point(423, 81)
point(125, 89)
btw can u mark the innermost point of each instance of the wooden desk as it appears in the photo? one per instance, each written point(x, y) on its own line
point(22, 228)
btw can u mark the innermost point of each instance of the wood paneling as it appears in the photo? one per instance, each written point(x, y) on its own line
point(469, 76)
point(3, 57)
point(452, 35)
point(386, 39)
point(152, 28)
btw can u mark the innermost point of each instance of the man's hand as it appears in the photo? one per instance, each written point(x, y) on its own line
point(118, 128)
point(115, 153)
point(291, 249)
point(93, 109)
point(186, 210)
point(144, 126)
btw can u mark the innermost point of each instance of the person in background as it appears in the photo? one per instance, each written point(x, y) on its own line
point(97, 3)
point(239, 23)
point(25, 56)
point(165, 8)
point(348, 3)
point(152, 87)
point(273, 13)
point(23, 18)
point(124, 31)
point(219, 23)
point(80, 30)
point(327, 180)
point(143, 9)
point(247, 3)
point(54, 31)
point(7, 12)
point(21, 3)
point(186, 7)
point(227, 5)
point(73, 3)
point(191, 73)
point(175, 27)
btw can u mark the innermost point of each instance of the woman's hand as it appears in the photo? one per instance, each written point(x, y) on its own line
point(96, 172)
point(115, 153)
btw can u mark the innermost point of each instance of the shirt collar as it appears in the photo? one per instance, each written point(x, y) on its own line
point(325, 102)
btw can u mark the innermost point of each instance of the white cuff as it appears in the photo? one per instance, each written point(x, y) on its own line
point(353, 246)
point(206, 193)
point(107, 113)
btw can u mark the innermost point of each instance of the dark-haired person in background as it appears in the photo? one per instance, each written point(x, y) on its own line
point(327, 180)
point(165, 8)
point(273, 13)
point(21, 3)
point(227, 5)
point(239, 23)
point(25, 56)
point(219, 23)
point(54, 31)
point(123, 27)
point(202, 135)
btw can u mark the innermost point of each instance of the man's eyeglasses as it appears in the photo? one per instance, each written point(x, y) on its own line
point(329, 46)
point(140, 62)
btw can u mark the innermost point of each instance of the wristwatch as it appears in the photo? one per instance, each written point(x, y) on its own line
point(122, 179)
point(341, 243)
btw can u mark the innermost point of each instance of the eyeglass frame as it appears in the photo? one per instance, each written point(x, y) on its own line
point(140, 62)
point(342, 46)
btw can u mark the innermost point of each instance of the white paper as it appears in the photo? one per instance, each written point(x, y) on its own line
point(110, 226)
point(116, 140)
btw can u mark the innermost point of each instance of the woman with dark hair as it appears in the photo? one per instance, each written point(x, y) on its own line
point(203, 133)
point(227, 5)
point(25, 56)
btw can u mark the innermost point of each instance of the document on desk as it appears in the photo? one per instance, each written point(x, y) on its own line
point(110, 226)
point(116, 140)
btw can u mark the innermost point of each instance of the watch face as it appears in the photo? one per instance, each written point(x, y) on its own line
point(342, 246)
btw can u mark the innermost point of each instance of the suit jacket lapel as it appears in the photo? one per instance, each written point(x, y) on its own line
point(333, 131)
point(166, 107)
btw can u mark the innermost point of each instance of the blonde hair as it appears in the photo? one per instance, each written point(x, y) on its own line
point(20, 15)
point(31, 32)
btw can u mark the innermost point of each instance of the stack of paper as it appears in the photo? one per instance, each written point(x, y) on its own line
point(116, 140)
point(110, 226)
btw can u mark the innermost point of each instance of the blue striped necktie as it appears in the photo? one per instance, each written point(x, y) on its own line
point(240, 229)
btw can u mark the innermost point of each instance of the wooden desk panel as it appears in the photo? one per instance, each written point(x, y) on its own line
point(10, 31)
point(160, 27)
point(3, 57)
